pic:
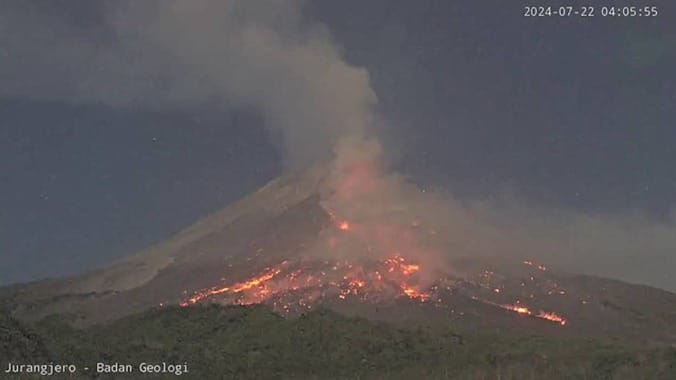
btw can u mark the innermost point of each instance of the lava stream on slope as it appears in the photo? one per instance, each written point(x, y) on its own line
point(301, 284)
point(331, 278)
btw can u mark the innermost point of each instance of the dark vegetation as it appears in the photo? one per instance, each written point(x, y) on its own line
point(253, 343)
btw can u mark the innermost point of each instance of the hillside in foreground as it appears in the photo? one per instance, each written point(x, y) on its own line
point(252, 342)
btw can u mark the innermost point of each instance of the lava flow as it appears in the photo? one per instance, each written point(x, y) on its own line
point(517, 308)
point(293, 285)
point(550, 316)
point(342, 278)
point(252, 283)
point(523, 310)
point(301, 283)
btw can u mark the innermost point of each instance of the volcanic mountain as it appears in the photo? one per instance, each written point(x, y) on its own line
point(358, 244)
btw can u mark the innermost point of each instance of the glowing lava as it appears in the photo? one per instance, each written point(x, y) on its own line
point(547, 315)
point(552, 317)
point(393, 276)
point(236, 288)
point(524, 310)
point(300, 284)
point(399, 263)
point(413, 293)
point(517, 308)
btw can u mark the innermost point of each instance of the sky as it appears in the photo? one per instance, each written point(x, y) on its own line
point(97, 161)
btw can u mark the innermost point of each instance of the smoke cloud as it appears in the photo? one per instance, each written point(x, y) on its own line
point(267, 55)
point(235, 53)
point(389, 215)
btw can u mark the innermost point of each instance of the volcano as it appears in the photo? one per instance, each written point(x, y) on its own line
point(360, 244)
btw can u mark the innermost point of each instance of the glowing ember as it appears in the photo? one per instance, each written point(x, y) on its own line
point(291, 287)
point(413, 293)
point(517, 308)
point(326, 279)
point(399, 263)
point(409, 268)
point(552, 317)
point(532, 264)
point(237, 288)
point(523, 310)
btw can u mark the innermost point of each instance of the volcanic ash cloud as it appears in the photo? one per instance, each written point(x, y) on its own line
point(264, 55)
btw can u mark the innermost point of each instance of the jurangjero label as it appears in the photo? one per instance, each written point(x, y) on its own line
point(42, 369)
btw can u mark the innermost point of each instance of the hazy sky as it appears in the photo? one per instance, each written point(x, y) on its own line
point(574, 113)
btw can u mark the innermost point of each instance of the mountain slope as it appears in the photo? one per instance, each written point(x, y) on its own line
point(285, 246)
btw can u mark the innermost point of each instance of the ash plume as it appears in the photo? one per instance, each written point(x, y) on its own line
point(232, 53)
point(268, 56)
